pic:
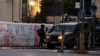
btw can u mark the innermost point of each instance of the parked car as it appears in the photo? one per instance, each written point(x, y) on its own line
point(71, 33)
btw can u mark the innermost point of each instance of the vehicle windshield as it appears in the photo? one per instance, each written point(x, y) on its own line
point(68, 28)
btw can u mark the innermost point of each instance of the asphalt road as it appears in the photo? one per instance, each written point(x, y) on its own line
point(43, 52)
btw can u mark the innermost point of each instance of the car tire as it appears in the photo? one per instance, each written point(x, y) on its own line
point(69, 46)
point(50, 46)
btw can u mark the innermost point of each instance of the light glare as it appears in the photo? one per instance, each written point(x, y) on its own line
point(32, 3)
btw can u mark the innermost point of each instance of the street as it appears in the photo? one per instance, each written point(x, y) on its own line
point(43, 52)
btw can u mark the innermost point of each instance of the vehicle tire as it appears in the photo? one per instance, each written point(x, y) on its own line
point(50, 46)
point(69, 46)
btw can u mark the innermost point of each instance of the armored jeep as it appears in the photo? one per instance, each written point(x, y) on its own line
point(71, 32)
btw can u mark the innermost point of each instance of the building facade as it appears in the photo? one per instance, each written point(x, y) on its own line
point(97, 2)
point(11, 10)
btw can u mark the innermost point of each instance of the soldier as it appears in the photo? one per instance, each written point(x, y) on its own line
point(41, 34)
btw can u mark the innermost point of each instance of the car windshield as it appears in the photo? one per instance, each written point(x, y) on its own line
point(67, 28)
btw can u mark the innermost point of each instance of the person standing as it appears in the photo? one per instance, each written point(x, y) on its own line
point(41, 34)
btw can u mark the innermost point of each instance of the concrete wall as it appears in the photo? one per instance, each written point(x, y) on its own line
point(20, 34)
point(9, 13)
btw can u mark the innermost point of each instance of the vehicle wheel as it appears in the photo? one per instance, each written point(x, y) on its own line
point(50, 46)
point(69, 46)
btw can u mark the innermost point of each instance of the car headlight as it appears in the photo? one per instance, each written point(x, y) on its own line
point(60, 37)
point(47, 37)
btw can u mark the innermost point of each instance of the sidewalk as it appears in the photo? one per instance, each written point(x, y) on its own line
point(19, 47)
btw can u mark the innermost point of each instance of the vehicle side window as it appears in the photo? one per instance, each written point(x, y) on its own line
point(51, 30)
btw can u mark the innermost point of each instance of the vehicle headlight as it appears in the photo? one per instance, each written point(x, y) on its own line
point(60, 37)
point(47, 37)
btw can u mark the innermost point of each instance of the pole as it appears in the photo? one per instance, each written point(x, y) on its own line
point(20, 11)
point(82, 31)
point(93, 10)
point(81, 50)
point(94, 18)
point(62, 41)
point(54, 13)
point(12, 11)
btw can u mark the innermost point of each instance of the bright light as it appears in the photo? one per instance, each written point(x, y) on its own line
point(32, 3)
point(47, 37)
point(60, 37)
